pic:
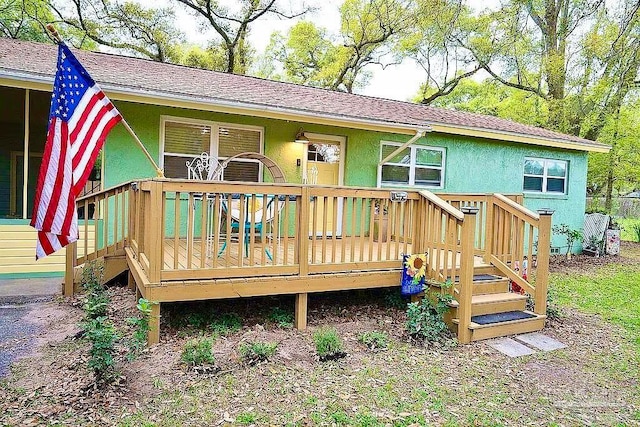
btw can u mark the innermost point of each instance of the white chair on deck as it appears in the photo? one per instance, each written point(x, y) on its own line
point(205, 168)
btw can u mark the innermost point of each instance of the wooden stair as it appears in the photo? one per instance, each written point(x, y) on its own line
point(492, 296)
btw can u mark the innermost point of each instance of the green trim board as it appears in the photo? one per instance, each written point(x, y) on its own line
point(33, 275)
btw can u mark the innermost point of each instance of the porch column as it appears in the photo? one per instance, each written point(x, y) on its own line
point(71, 256)
point(467, 241)
point(542, 271)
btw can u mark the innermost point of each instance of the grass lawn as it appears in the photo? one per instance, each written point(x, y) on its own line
point(594, 381)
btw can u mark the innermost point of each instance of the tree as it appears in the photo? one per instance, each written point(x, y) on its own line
point(124, 26)
point(309, 55)
point(233, 25)
point(22, 19)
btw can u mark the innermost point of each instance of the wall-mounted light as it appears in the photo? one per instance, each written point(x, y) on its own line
point(301, 138)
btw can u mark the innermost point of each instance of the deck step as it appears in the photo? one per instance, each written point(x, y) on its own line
point(493, 303)
point(503, 329)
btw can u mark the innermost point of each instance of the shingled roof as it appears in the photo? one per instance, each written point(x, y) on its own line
point(30, 61)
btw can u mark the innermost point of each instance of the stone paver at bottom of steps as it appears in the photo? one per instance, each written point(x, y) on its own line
point(510, 347)
point(540, 341)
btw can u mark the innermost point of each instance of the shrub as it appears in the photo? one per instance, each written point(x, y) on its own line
point(255, 352)
point(425, 318)
point(635, 228)
point(570, 234)
point(374, 340)
point(198, 351)
point(140, 329)
point(226, 324)
point(102, 335)
point(328, 344)
point(393, 299)
point(281, 317)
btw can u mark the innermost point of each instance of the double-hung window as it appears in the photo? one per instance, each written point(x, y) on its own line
point(545, 176)
point(185, 139)
point(415, 165)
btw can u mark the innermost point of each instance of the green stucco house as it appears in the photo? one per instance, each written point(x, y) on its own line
point(180, 112)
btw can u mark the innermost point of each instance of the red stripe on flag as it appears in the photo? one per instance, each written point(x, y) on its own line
point(85, 113)
point(77, 187)
point(44, 166)
point(57, 188)
point(92, 130)
point(44, 243)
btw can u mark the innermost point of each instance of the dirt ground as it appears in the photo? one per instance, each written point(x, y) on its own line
point(593, 381)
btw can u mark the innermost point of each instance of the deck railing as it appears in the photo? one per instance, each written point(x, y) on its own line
point(180, 230)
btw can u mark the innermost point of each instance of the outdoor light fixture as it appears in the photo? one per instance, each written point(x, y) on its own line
point(301, 138)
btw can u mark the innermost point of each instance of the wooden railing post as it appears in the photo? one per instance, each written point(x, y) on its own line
point(466, 273)
point(300, 320)
point(542, 270)
point(71, 258)
point(156, 232)
point(488, 230)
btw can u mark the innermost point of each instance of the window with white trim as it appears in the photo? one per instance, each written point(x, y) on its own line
point(415, 165)
point(185, 139)
point(545, 176)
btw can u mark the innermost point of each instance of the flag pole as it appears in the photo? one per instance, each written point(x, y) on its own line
point(159, 172)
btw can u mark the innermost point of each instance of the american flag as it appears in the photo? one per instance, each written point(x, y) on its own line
point(80, 118)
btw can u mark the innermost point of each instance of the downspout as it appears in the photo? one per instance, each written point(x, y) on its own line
point(419, 134)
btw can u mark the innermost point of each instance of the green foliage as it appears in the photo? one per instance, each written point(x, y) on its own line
point(635, 227)
point(374, 340)
point(393, 299)
point(257, 351)
point(23, 19)
point(102, 335)
point(246, 418)
point(198, 351)
point(328, 343)
point(425, 318)
point(226, 324)
point(281, 317)
point(141, 328)
point(571, 235)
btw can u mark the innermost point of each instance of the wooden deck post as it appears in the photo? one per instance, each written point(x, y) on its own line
point(71, 257)
point(466, 273)
point(542, 270)
point(153, 337)
point(488, 230)
point(156, 231)
point(301, 311)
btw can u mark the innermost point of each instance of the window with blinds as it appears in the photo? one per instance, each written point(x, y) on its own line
point(184, 141)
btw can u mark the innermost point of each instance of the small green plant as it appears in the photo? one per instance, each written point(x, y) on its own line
point(246, 418)
point(281, 317)
point(328, 344)
point(141, 328)
point(255, 352)
point(96, 298)
point(393, 299)
point(198, 352)
point(102, 335)
point(374, 340)
point(425, 318)
point(226, 324)
point(571, 235)
point(635, 228)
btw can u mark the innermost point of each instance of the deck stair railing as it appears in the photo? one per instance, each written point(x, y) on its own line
point(103, 225)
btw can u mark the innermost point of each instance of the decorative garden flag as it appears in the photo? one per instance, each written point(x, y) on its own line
point(414, 269)
point(80, 118)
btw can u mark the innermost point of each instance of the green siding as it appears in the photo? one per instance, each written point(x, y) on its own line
point(472, 165)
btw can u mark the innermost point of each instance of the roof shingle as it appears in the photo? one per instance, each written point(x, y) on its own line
point(145, 76)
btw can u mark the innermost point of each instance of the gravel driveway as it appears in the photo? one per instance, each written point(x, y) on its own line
point(17, 333)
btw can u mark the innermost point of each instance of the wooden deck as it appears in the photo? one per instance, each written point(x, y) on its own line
point(314, 239)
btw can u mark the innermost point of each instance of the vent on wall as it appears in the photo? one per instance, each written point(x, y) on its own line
point(555, 251)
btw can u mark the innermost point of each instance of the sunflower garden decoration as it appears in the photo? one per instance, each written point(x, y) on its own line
point(414, 273)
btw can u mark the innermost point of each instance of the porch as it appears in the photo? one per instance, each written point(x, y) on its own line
point(183, 240)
